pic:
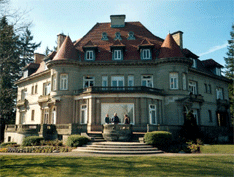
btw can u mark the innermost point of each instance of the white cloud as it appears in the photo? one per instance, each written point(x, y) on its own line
point(215, 48)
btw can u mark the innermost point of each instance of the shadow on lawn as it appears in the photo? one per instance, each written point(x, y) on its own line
point(116, 166)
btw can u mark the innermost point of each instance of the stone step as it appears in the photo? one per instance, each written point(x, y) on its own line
point(118, 146)
point(117, 152)
point(121, 149)
point(112, 143)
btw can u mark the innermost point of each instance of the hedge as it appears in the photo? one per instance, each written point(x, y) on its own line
point(8, 144)
point(159, 139)
point(32, 141)
point(76, 140)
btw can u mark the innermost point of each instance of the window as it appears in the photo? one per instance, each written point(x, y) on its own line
point(219, 92)
point(131, 36)
point(25, 73)
point(83, 114)
point(195, 114)
point(54, 82)
point(46, 116)
point(117, 81)
point(63, 81)
point(209, 88)
point(9, 139)
point(117, 55)
point(46, 88)
point(88, 81)
point(147, 80)
point(130, 81)
point(194, 63)
point(218, 71)
point(193, 87)
point(45, 66)
point(22, 117)
point(104, 82)
point(35, 89)
point(32, 90)
point(173, 80)
point(32, 115)
point(24, 94)
point(184, 81)
point(104, 36)
point(146, 54)
point(205, 88)
point(89, 55)
point(118, 36)
point(54, 116)
point(153, 114)
point(210, 116)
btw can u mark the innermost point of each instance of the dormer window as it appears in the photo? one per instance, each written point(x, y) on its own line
point(194, 63)
point(25, 73)
point(89, 55)
point(131, 36)
point(118, 36)
point(146, 54)
point(117, 55)
point(104, 36)
point(218, 71)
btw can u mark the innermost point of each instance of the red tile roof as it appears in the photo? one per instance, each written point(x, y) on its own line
point(169, 48)
point(67, 51)
point(140, 32)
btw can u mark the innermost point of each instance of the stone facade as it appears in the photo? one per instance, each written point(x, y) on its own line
point(68, 94)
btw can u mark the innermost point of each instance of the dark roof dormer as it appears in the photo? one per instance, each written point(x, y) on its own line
point(145, 44)
point(170, 49)
point(90, 51)
point(213, 66)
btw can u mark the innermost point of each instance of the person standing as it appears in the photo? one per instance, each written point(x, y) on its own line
point(115, 119)
point(107, 119)
point(126, 119)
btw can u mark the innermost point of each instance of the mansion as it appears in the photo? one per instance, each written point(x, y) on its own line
point(118, 67)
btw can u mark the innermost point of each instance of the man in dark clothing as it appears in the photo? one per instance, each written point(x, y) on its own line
point(115, 119)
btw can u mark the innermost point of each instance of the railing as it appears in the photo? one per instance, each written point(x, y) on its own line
point(118, 89)
point(11, 128)
point(222, 102)
point(196, 98)
point(21, 103)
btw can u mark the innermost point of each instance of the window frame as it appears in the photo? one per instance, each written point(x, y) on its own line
point(64, 81)
point(194, 65)
point(147, 79)
point(118, 53)
point(88, 80)
point(174, 78)
point(218, 91)
point(150, 115)
point(33, 115)
point(87, 53)
point(194, 85)
point(46, 88)
point(148, 54)
point(85, 114)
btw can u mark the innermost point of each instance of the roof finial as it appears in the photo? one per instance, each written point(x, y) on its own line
point(169, 32)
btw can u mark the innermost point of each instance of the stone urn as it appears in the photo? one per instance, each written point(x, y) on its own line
point(117, 132)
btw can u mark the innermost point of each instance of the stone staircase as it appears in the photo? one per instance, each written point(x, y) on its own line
point(118, 148)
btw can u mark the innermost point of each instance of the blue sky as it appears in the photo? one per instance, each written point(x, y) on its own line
point(206, 24)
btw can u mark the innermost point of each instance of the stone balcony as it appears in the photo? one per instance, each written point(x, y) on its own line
point(196, 98)
point(43, 98)
point(134, 89)
point(223, 102)
point(21, 103)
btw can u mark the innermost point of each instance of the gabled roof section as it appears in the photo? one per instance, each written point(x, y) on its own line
point(31, 66)
point(118, 43)
point(67, 51)
point(145, 43)
point(104, 46)
point(169, 48)
point(210, 63)
point(90, 44)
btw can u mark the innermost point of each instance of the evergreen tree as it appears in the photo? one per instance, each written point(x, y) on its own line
point(28, 47)
point(229, 73)
point(9, 69)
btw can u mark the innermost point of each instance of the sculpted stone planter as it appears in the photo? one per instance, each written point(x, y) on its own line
point(117, 132)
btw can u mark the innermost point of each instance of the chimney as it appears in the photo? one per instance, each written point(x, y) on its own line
point(60, 39)
point(117, 21)
point(38, 58)
point(178, 37)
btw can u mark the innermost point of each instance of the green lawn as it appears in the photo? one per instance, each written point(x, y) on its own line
point(218, 149)
point(221, 165)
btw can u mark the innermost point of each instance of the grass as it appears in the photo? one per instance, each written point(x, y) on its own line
point(217, 149)
point(221, 165)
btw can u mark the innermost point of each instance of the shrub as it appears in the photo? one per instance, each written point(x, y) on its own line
point(8, 144)
point(32, 141)
point(76, 140)
point(159, 139)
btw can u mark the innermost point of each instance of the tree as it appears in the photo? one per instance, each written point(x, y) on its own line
point(229, 73)
point(9, 69)
point(27, 47)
